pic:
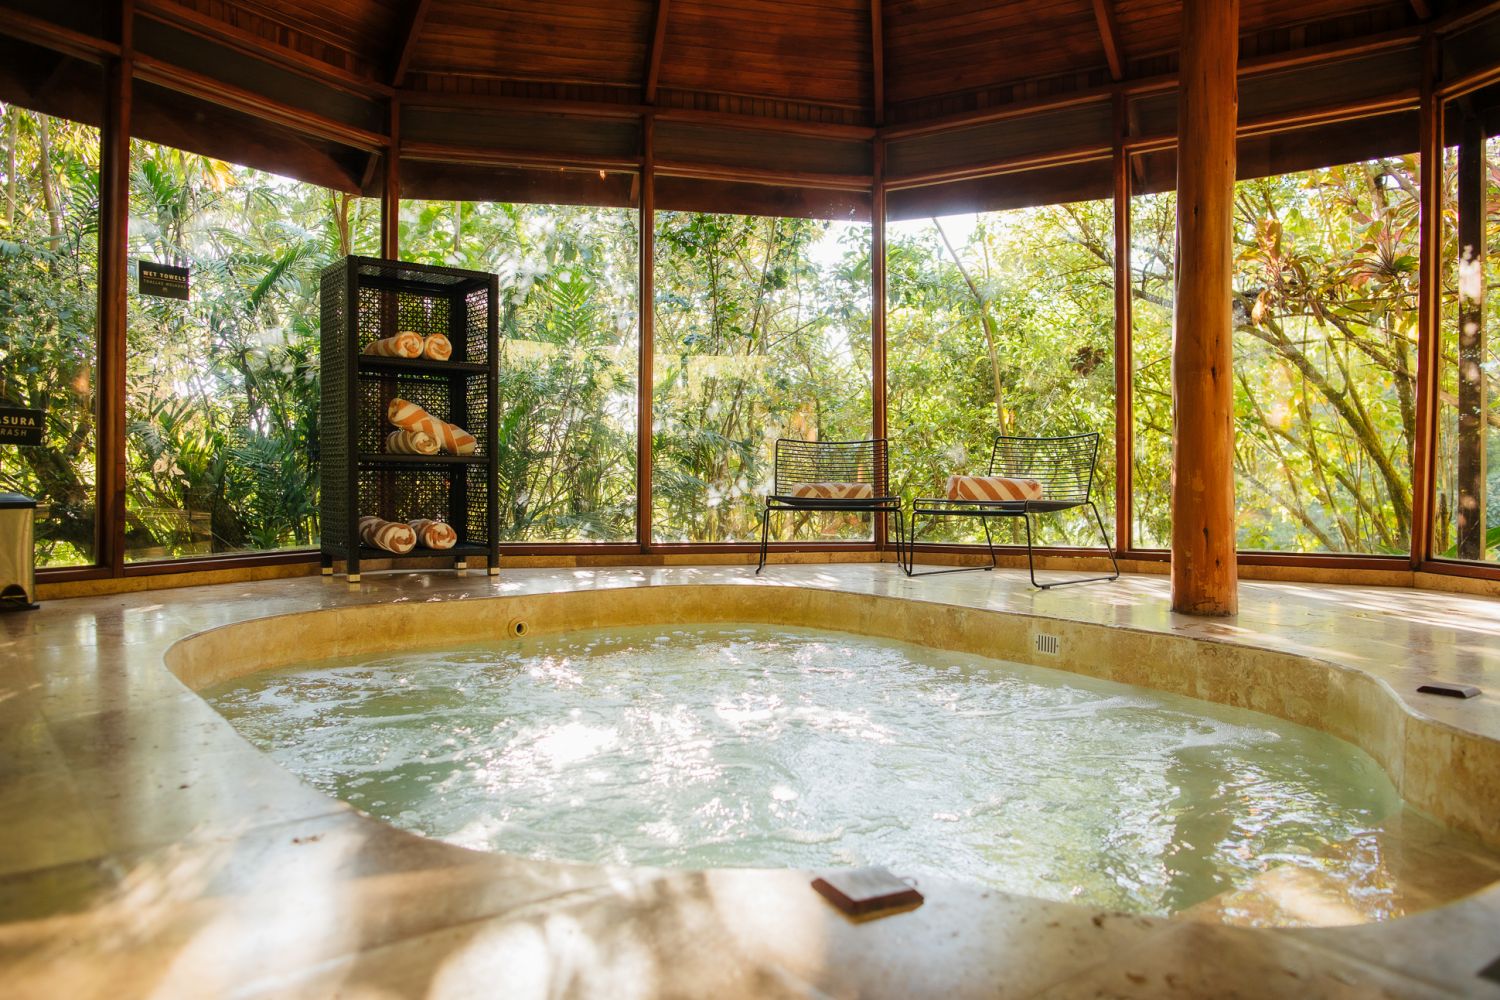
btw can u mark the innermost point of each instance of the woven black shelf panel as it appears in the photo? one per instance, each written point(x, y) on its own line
point(432, 391)
point(404, 494)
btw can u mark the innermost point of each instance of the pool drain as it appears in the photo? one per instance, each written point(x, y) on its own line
point(516, 628)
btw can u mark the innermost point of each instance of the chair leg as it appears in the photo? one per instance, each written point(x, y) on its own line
point(901, 552)
point(765, 529)
point(1030, 562)
point(1098, 519)
point(990, 542)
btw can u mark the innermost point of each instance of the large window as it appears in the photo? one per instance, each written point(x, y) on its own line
point(222, 389)
point(1466, 514)
point(762, 332)
point(1325, 329)
point(569, 339)
point(1000, 323)
point(48, 322)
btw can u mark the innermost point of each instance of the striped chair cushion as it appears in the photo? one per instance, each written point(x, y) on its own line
point(992, 488)
point(832, 491)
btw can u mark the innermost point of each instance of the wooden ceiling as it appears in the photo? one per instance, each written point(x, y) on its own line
point(851, 62)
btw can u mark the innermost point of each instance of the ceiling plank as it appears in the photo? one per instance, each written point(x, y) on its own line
point(653, 55)
point(408, 41)
point(877, 62)
point(1109, 34)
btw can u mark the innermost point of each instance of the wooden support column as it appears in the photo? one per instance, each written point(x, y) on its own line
point(877, 318)
point(1429, 298)
point(1124, 349)
point(645, 368)
point(114, 234)
point(1469, 526)
point(390, 192)
point(1203, 517)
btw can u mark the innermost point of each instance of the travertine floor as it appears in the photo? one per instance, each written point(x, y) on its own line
point(147, 850)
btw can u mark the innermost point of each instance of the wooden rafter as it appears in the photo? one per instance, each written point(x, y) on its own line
point(1422, 9)
point(1109, 34)
point(877, 63)
point(408, 41)
point(653, 52)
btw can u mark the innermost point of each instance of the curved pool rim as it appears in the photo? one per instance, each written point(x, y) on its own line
point(1440, 769)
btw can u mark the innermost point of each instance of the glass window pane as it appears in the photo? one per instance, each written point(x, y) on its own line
point(48, 322)
point(1153, 239)
point(222, 390)
point(1466, 511)
point(762, 332)
point(1325, 312)
point(1001, 323)
point(568, 355)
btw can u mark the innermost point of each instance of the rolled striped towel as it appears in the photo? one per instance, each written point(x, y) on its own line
point(993, 488)
point(832, 491)
point(408, 416)
point(437, 347)
point(392, 536)
point(400, 442)
point(403, 345)
point(434, 534)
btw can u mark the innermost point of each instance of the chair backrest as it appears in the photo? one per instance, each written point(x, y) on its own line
point(1063, 465)
point(830, 462)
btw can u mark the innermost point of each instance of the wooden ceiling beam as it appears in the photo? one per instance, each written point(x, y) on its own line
point(408, 41)
point(1422, 9)
point(654, 51)
point(1109, 34)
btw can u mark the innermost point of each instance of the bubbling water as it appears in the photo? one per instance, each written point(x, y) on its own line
point(752, 745)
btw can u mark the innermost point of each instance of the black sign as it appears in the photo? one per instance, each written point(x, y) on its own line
point(165, 281)
point(21, 426)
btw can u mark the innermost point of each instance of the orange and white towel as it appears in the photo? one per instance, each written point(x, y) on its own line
point(437, 347)
point(392, 536)
point(832, 491)
point(993, 488)
point(410, 443)
point(434, 534)
point(405, 344)
point(408, 416)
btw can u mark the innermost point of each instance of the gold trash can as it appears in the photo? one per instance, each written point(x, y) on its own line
point(17, 554)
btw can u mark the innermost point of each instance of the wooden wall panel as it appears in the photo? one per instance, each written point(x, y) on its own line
point(446, 181)
point(536, 40)
point(180, 48)
point(1087, 181)
point(943, 46)
point(607, 138)
point(810, 50)
point(691, 194)
point(1085, 126)
point(198, 126)
point(683, 142)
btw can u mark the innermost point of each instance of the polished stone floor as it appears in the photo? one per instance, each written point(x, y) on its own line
point(148, 850)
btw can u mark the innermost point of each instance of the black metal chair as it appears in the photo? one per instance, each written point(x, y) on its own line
point(1065, 468)
point(858, 463)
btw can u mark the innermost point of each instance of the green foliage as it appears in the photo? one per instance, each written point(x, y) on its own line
point(222, 390)
point(1000, 323)
point(762, 331)
point(48, 309)
point(568, 280)
point(1325, 341)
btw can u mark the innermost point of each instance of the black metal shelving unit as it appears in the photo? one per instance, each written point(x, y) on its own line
point(363, 300)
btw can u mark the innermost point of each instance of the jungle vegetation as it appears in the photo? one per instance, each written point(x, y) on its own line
point(996, 322)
